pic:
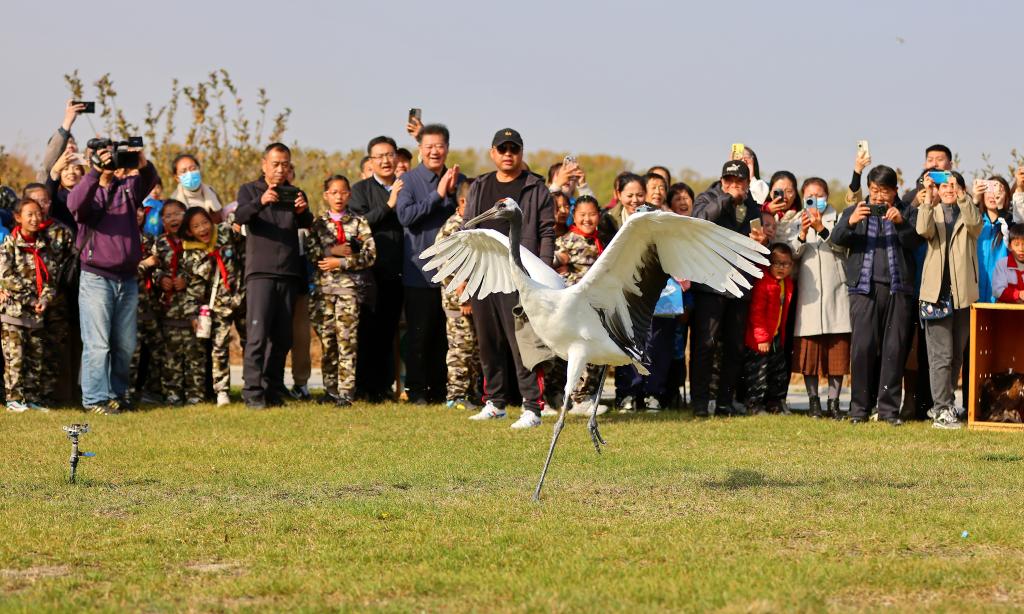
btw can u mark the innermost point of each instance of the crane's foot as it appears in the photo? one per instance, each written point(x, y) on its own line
point(595, 433)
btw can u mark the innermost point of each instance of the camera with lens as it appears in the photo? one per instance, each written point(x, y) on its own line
point(120, 156)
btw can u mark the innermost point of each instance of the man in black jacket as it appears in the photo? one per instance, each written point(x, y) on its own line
point(492, 316)
point(272, 212)
point(374, 198)
point(719, 317)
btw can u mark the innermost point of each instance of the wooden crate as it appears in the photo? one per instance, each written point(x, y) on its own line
point(997, 345)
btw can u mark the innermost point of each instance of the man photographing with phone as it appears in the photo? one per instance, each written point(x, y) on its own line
point(272, 211)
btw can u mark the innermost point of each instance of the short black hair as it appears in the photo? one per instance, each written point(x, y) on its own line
point(782, 248)
point(277, 147)
point(624, 179)
point(435, 129)
point(30, 187)
point(585, 199)
point(655, 177)
point(377, 140)
point(658, 167)
point(884, 176)
point(182, 156)
point(404, 154)
point(1016, 232)
point(940, 148)
point(22, 202)
point(170, 202)
point(552, 170)
point(363, 162)
point(676, 188)
point(818, 181)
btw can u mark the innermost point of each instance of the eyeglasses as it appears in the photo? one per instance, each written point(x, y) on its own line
point(434, 146)
point(782, 265)
point(509, 148)
point(384, 156)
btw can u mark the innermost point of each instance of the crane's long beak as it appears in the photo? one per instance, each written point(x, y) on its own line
point(483, 217)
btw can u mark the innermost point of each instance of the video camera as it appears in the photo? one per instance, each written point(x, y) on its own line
point(120, 156)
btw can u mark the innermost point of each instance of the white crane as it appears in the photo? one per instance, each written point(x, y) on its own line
point(605, 319)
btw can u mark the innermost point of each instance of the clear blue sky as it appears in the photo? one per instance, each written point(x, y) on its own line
point(654, 82)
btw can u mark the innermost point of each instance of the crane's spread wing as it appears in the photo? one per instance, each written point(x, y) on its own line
point(625, 282)
point(479, 257)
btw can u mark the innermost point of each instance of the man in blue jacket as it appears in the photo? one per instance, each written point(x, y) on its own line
point(104, 205)
point(427, 200)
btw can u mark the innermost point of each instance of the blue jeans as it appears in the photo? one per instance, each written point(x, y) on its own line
point(107, 311)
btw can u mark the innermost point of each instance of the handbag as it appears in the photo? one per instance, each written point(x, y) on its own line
point(936, 311)
point(204, 322)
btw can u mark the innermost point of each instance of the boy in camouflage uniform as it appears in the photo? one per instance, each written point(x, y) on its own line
point(149, 333)
point(463, 358)
point(339, 245)
point(210, 258)
point(575, 252)
point(183, 360)
point(56, 319)
point(27, 287)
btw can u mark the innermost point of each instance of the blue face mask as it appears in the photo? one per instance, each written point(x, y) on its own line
point(191, 180)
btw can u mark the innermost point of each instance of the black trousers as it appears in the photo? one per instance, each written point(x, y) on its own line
point(269, 302)
point(716, 320)
point(496, 335)
point(426, 348)
point(375, 361)
point(879, 344)
point(766, 375)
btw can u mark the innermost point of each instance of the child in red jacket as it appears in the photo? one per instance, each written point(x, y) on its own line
point(765, 367)
point(1008, 278)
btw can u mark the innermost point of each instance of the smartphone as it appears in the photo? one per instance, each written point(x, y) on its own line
point(416, 114)
point(570, 160)
point(863, 149)
point(286, 194)
point(778, 194)
point(878, 210)
point(994, 187)
point(755, 225)
point(939, 177)
point(738, 149)
point(90, 105)
point(79, 160)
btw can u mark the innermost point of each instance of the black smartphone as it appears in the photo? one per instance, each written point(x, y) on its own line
point(416, 114)
point(287, 194)
point(778, 194)
point(878, 210)
point(90, 105)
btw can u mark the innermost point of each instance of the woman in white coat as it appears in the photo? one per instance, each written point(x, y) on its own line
point(822, 344)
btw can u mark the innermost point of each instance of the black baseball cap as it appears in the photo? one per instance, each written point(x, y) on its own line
point(506, 135)
point(736, 168)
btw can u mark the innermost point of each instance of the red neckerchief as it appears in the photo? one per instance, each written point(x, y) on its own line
point(45, 224)
point(591, 235)
point(341, 230)
point(176, 251)
point(42, 274)
point(149, 278)
point(215, 254)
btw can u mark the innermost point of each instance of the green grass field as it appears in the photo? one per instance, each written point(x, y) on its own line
point(398, 508)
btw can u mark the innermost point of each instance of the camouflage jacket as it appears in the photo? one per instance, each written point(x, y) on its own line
point(323, 235)
point(149, 288)
point(582, 255)
point(449, 300)
point(202, 270)
point(61, 241)
point(176, 304)
point(18, 274)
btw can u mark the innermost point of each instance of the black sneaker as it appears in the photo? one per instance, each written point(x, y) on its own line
point(815, 407)
point(301, 393)
point(343, 401)
point(256, 404)
point(108, 408)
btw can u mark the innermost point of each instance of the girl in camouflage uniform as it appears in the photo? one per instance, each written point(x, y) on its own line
point(210, 258)
point(339, 245)
point(28, 287)
point(463, 358)
point(575, 252)
point(183, 357)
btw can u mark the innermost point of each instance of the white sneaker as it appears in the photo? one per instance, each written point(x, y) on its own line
point(223, 399)
point(586, 408)
point(652, 406)
point(547, 412)
point(489, 412)
point(17, 407)
point(527, 420)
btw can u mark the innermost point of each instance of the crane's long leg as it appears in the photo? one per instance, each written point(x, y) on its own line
point(595, 435)
point(574, 371)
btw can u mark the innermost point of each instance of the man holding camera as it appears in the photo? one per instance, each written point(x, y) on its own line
point(273, 211)
point(104, 205)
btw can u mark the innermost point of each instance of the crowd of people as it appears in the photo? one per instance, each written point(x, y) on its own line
point(115, 280)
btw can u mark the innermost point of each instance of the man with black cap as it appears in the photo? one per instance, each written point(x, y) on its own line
point(495, 324)
point(719, 317)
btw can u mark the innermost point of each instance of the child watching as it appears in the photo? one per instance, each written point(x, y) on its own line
point(150, 337)
point(27, 287)
point(339, 245)
point(463, 358)
point(183, 380)
point(210, 260)
point(766, 369)
point(1008, 279)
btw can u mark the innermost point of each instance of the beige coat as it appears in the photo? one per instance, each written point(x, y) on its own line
point(822, 298)
point(963, 252)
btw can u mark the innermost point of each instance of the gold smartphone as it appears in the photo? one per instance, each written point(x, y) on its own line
point(755, 225)
point(738, 149)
